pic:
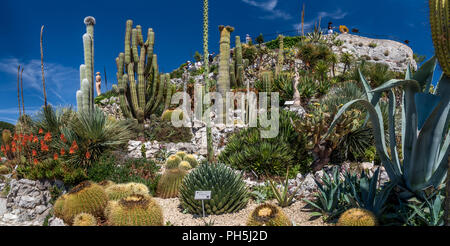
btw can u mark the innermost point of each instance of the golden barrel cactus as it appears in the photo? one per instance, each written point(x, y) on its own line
point(169, 184)
point(357, 217)
point(173, 161)
point(192, 160)
point(84, 219)
point(134, 210)
point(268, 215)
point(184, 165)
point(119, 191)
point(87, 197)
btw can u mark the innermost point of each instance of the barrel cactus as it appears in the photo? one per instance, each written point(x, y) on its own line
point(228, 191)
point(119, 191)
point(134, 210)
point(181, 154)
point(106, 183)
point(4, 169)
point(192, 160)
point(84, 219)
point(170, 182)
point(184, 165)
point(173, 161)
point(87, 197)
point(268, 215)
point(357, 217)
point(59, 205)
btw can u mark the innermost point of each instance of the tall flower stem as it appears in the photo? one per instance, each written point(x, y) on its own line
point(206, 74)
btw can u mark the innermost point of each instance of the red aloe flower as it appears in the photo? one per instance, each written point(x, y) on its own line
point(48, 137)
point(13, 149)
point(63, 152)
point(74, 145)
point(41, 131)
point(3, 148)
point(16, 137)
point(88, 155)
point(35, 139)
point(63, 138)
point(7, 148)
point(33, 153)
point(35, 161)
point(55, 157)
point(71, 151)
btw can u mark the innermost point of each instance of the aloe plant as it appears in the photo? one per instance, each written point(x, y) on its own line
point(425, 135)
point(282, 196)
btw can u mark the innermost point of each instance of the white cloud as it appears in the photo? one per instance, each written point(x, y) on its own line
point(60, 81)
point(308, 25)
point(269, 6)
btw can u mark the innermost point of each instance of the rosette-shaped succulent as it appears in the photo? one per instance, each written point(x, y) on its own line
point(228, 190)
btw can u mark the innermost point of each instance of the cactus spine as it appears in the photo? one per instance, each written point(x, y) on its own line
point(140, 98)
point(279, 66)
point(85, 96)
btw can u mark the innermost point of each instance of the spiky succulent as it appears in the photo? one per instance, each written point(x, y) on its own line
point(173, 161)
point(268, 215)
point(119, 191)
point(87, 197)
point(357, 217)
point(228, 190)
point(181, 154)
point(134, 210)
point(170, 182)
point(184, 165)
point(84, 219)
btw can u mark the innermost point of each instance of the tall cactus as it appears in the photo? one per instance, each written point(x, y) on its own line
point(239, 63)
point(139, 99)
point(85, 96)
point(205, 75)
point(280, 61)
point(440, 30)
point(224, 63)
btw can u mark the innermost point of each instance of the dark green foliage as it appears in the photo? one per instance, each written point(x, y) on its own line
point(288, 42)
point(118, 170)
point(52, 169)
point(262, 193)
point(164, 131)
point(228, 191)
point(250, 53)
point(283, 84)
point(247, 151)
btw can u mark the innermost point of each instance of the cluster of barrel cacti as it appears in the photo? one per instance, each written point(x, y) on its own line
point(85, 96)
point(139, 99)
point(268, 215)
point(228, 191)
point(357, 217)
point(119, 191)
point(181, 160)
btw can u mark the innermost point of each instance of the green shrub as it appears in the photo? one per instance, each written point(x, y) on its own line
point(112, 168)
point(164, 131)
point(247, 151)
point(228, 191)
point(288, 42)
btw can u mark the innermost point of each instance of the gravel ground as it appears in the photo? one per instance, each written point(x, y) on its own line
point(173, 214)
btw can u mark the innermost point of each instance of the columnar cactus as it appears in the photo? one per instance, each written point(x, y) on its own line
point(267, 79)
point(224, 62)
point(439, 20)
point(279, 66)
point(140, 99)
point(85, 96)
point(170, 182)
point(239, 63)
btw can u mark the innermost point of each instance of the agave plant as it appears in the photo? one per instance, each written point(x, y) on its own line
point(364, 193)
point(425, 135)
point(430, 212)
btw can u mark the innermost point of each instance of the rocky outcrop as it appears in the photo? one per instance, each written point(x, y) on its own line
point(394, 54)
point(110, 106)
point(28, 202)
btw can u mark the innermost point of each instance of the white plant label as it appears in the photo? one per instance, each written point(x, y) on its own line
point(202, 195)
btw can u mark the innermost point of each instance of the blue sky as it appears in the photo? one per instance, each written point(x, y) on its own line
point(178, 31)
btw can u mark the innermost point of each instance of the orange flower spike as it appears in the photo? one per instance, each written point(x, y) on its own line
point(41, 131)
point(7, 148)
point(74, 145)
point(35, 161)
point(16, 137)
point(88, 155)
point(55, 157)
point(35, 139)
point(71, 151)
point(63, 152)
point(63, 138)
point(48, 137)
point(33, 153)
point(21, 136)
point(13, 149)
point(3, 148)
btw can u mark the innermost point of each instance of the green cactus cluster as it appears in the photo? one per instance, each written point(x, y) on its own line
point(440, 31)
point(184, 165)
point(173, 162)
point(85, 96)
point(280, 60)
point(357, 217)
point(268, 215)
point(191, 160)
point(119, 191)
point(134, 210)
point(142, 98)
point(87, 197)
point(228, 191)
point(169, 183)
point(84, 219)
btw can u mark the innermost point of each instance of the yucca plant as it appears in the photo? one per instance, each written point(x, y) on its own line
point(425, 135)
point(283, 197)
